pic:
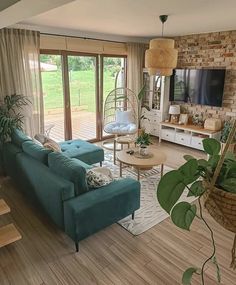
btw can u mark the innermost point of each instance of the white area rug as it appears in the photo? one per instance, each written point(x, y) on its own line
point(150, 212)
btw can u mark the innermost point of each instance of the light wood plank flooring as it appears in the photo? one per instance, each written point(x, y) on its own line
point(46, 256)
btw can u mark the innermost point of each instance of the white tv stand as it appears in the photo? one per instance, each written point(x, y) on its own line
point(188, 135)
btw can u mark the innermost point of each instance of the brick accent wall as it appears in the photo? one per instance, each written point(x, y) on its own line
point(212, 50)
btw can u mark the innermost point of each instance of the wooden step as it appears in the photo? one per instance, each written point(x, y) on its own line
point(4, 208)
point(8, 234)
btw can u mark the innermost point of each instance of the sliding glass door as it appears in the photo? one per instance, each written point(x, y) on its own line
point(83, 96)
point(75, 88)
point(52, 81)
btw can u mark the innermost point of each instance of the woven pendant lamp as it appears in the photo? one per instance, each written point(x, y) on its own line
point(161, 57)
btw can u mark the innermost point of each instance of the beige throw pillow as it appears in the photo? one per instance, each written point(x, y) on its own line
point(52, 145)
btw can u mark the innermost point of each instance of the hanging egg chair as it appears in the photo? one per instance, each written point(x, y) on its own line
point(121, 112)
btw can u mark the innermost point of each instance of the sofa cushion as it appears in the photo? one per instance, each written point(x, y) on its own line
point(124, 117)
point(18, 137)
point(71, 169)
point(117, 128)
point(36, 151)
point(82, 150)
point(98, 177)
point(52, 145)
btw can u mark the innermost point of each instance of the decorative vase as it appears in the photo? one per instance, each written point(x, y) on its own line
point(143, 150)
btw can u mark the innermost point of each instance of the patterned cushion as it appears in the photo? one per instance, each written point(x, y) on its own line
point(98, 177)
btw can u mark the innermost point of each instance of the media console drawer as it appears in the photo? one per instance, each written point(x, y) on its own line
point(182, 138)
point(196, 142)
point(168, 135)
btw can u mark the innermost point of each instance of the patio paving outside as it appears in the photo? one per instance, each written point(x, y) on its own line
point(83, 125)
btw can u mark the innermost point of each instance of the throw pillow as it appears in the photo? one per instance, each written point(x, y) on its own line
point(98, 177)
point(41, 138)
point(52, 145)
point(124, 117)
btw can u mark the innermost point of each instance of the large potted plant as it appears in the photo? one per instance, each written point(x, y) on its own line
point(225, 134)
point(141, 116)
point(205, 179)
point(10, 118)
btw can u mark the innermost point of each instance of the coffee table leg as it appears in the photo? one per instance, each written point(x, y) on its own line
point(120, 169)
point(162, 169)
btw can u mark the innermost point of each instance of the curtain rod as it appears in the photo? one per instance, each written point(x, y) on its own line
point(84, 38)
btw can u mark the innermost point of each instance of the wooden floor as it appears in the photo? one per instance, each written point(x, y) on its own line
point(113, 256)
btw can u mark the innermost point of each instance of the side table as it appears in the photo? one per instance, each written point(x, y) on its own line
point(124, 140)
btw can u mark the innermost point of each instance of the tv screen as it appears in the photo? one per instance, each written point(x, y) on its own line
point(198, 86)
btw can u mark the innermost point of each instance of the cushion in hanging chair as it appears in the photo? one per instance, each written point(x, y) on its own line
point(124, 117)
point(118, 128)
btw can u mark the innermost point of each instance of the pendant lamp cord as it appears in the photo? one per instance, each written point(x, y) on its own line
point(163, 19)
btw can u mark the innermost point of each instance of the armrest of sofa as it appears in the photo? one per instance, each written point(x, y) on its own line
point(45, 187)
point(96, 209)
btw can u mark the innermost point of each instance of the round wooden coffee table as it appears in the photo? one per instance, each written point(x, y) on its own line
point(156, 158)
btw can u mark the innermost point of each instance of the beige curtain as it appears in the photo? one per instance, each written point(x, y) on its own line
point(20, 73)
point(135, 66)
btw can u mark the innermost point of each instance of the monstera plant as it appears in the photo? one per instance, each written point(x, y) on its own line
point(194, 176)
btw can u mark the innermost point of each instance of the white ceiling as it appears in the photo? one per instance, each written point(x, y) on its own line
point(13, 11)
point(139, 18)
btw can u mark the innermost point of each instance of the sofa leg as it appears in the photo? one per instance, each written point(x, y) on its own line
point(133, 216)
point(77, 246)
point(100, 163)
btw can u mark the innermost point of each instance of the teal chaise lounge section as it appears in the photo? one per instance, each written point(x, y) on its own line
point(87, 152)
point(56, 183)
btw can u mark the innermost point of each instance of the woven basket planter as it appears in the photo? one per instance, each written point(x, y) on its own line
point(221, 205)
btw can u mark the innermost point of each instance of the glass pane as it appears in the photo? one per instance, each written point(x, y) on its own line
point(114, 75)
point(51, 72)
point(82, 77)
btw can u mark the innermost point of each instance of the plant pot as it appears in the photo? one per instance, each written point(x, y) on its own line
point(232, 147)
point(143, 150)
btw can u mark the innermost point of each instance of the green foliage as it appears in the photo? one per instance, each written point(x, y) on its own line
point(226, 131)
point(141, 93)
point(183, 214)
point(193, 175)
point(211, 146)
point(170, 188)
point(188, 274)
point(10, 115)
point(143, 139)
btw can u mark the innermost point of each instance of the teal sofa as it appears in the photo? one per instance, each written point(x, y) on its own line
point(56, 182)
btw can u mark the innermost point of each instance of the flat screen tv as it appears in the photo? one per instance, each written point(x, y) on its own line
point(198, 86)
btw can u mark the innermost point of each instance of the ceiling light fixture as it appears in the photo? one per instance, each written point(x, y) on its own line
point(161, 57)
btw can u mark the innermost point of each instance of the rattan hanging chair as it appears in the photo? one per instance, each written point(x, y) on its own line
point(121, 112)
point(221, 204)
